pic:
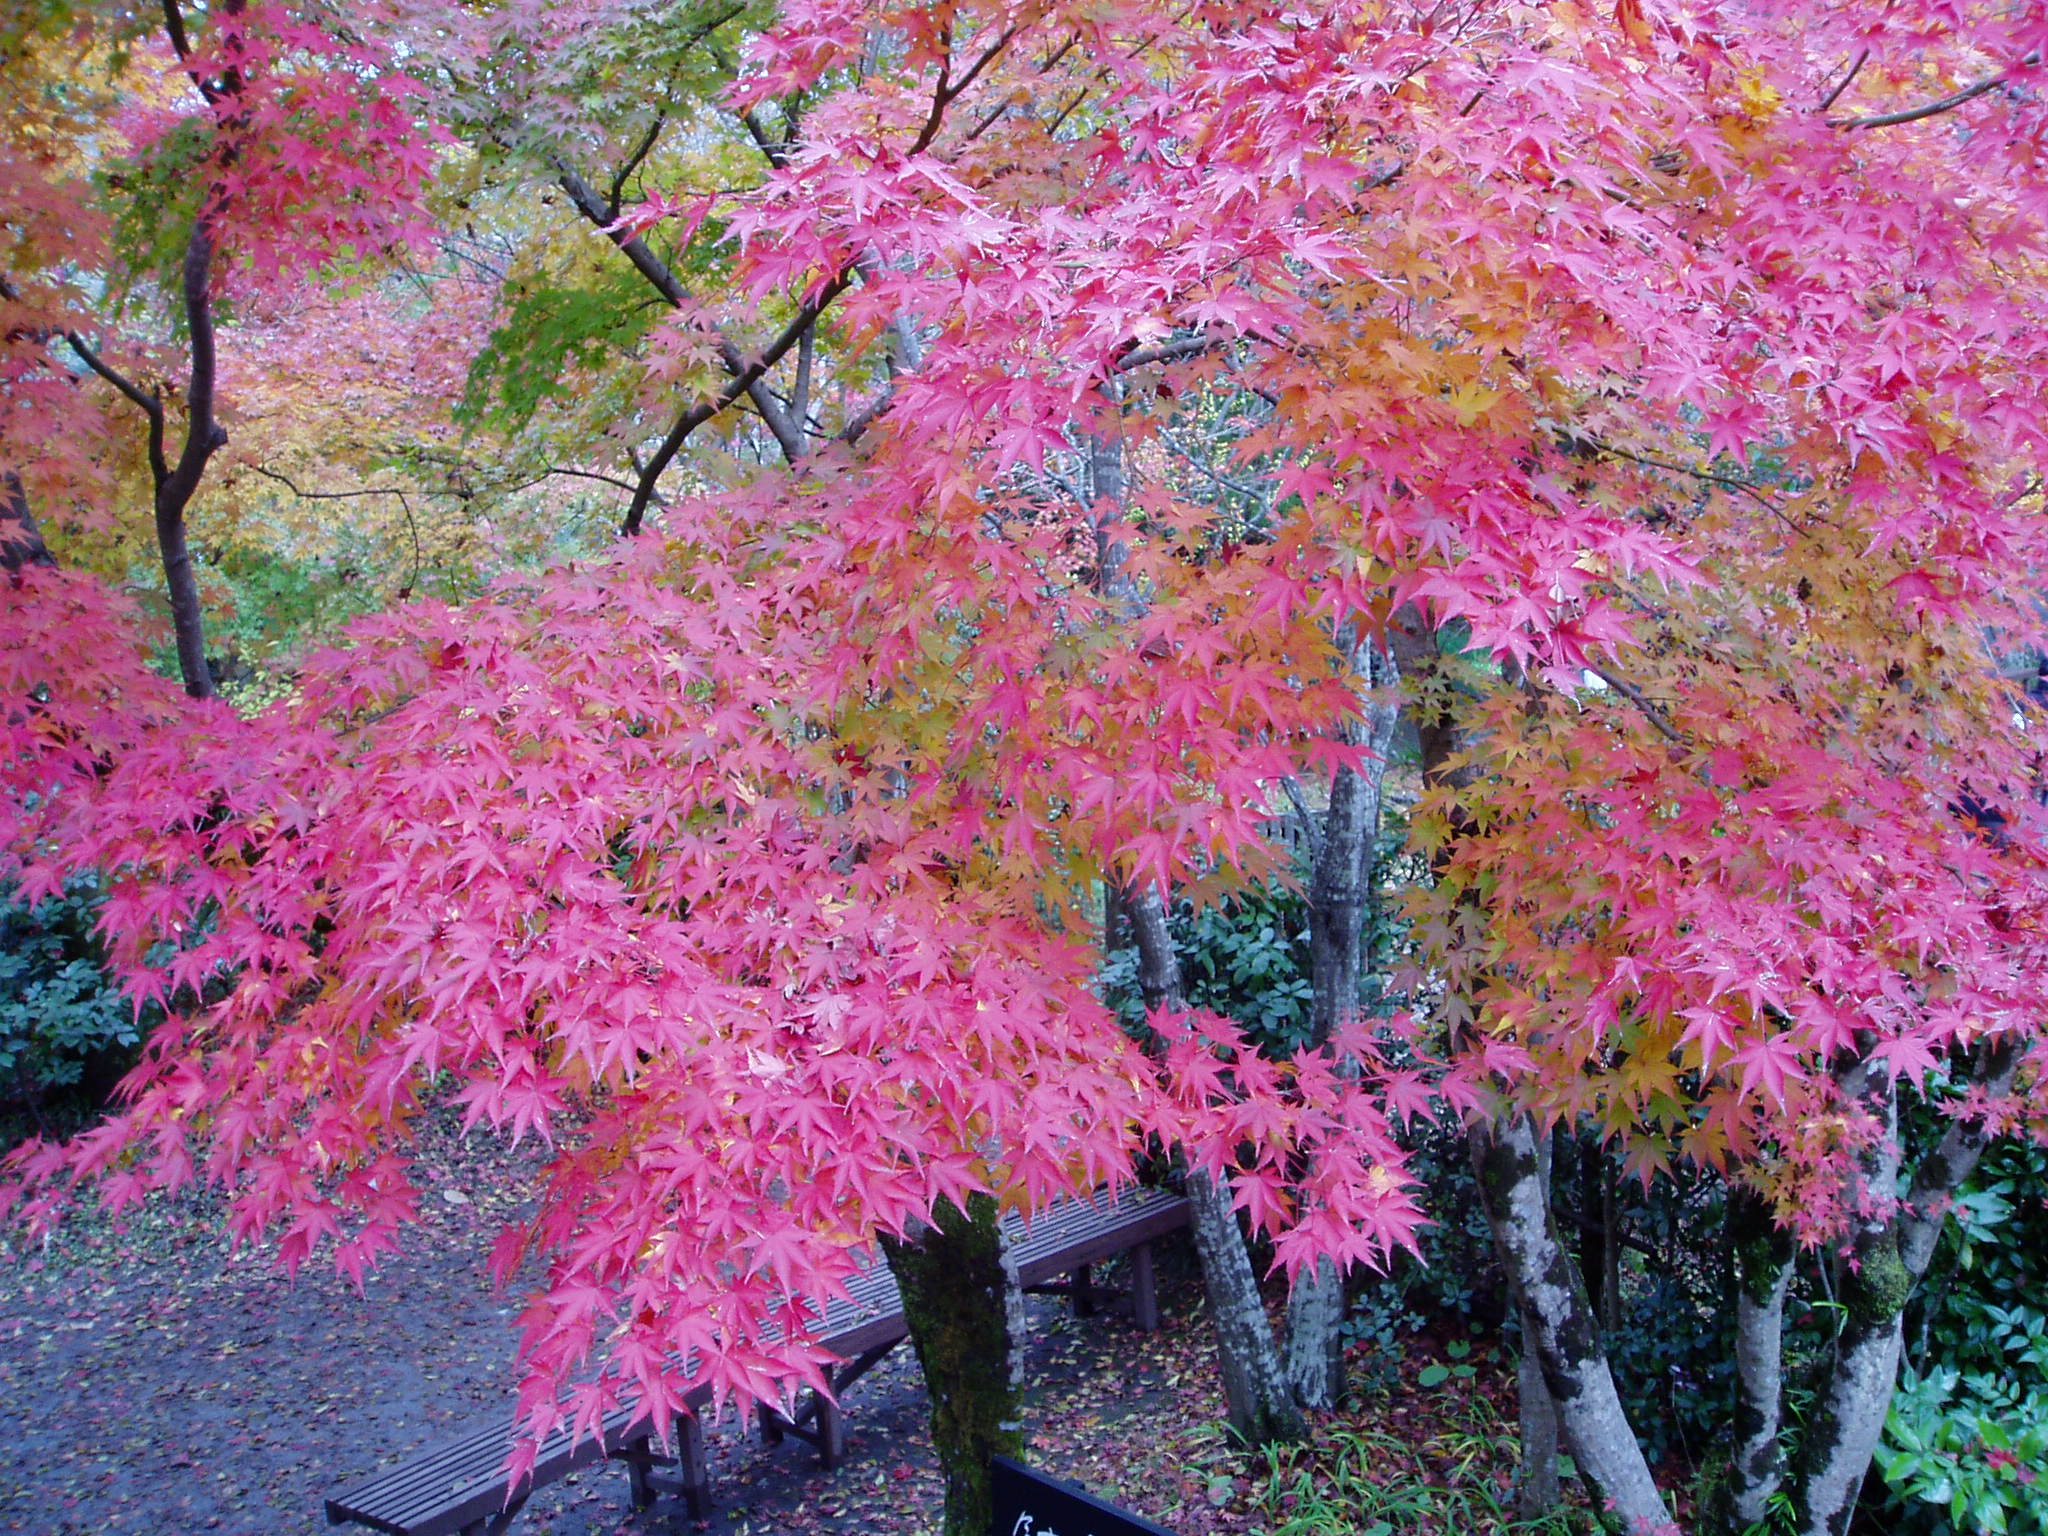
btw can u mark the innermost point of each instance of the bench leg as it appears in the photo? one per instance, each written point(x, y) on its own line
point(1084, 1298)
point(831, 1433)
point(696, 1478)
point(1144, 1298)
point(771, 1426)
point(636, 1472)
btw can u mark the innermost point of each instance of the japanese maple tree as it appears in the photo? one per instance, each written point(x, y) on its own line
point(1676, 358)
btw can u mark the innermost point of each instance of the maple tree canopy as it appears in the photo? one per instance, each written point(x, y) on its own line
point(1681, 359)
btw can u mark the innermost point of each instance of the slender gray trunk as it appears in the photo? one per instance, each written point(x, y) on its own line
point(1342, 844)
point(1856, 1382)
point(1261, 1408)
point(1888, 1252)
point(1537, 1489)
point(1565, 1388)
point(1315, 1338)
point(1559, 1327)
point(1760, 1255)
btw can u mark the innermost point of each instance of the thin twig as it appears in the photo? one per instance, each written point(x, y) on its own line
point(1635, 696)
point(1250, 492)
point(150, 405)
point(404, 505)
point(1947, 103)
point(632, 162)
point(1311, 833)
point(1843, 84)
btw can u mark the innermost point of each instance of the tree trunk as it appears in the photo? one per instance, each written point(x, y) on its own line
point(1857, 1390)
point(21, 538)
point(1599, 1242)
point(957, 1285)
point(1760, 1256)
point(1566, 1388)
point(1315, 1338)
point(1889, 1251)
point(1261, 1408)
point(1559, 1327)
point(1537, 1490)
point(1339, 896)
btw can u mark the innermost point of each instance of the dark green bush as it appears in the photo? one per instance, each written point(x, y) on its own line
point(1966, 1444)
point(66, 1032)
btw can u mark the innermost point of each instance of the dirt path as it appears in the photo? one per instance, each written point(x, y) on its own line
point(151, 1384)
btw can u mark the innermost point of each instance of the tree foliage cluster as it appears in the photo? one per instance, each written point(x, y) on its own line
point(1048, 441)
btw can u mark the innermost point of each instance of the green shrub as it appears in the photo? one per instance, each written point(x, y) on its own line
point(1245, 957)
point(65, 1029)
point(1966, 1442)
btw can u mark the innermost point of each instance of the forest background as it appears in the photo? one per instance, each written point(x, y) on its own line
point(708, 583)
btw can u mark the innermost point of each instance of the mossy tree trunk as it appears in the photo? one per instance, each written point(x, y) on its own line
point(956, 1286)
point(1558, 1325)
point(1567, 1388)
point(1760, 1254)
point(1888, 1253)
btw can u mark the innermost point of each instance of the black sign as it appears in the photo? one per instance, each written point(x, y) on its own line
point(1029, 1503)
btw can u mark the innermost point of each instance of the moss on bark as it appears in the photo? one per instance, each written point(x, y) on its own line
point(955, 1299)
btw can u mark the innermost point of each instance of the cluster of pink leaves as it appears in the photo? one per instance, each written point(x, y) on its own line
point(317, 152)
point(1792, 871)
point(564, 847)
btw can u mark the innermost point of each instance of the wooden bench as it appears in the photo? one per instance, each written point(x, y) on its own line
point(1054, 1254)
point(460, 1488)
point(1069, 1237)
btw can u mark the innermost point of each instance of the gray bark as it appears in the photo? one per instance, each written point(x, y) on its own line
point(1315, 1339)
point(1256, 1396)
point(1559, 1328)
point(1261, 1408)
point(1761, 1257)
point(1888, 1253)
point(1537, 1490)
point(1562, 1363)
point(1339, 896)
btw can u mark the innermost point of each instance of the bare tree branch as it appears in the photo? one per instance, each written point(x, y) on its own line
point(1843, 84)
point(650, 266)
point(1650, 711)
point(746, 379)
point(404, 504)
point(1947, 103)
point(633, 161)
point(146, 401)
